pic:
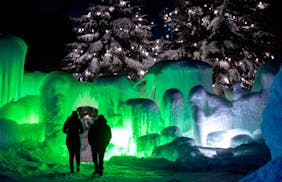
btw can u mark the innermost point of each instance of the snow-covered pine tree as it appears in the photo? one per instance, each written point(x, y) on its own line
point(228, 34)
point(113, 38)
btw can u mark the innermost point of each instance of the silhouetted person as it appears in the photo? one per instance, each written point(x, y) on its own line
point(73, 128)
point(99, 136)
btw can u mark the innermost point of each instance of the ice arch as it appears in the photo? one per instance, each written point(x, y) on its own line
point(173, 109)
point(181, 74)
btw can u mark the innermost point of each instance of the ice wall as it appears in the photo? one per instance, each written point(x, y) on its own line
point(26, 110)
point(181, 75)
point(32, 82)
point(60, 94)
point(12, 58)
point(145, 117)
point(272, 118)
point(142, 115)
point(111, 92)
point(265, 76)
point(217, 117)
point(11, 132)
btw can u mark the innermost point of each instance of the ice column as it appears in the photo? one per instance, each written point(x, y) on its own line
point(145, 117)
point(173, 108)
point(12, 58)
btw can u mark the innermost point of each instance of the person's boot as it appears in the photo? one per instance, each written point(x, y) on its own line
point(96, 171)
point(71, 168)
point(77, 163)
point(71, 165)
point(101, 171)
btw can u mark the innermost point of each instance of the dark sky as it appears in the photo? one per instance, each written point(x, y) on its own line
point(44, 25)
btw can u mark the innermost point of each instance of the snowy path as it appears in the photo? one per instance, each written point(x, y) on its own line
point(117, 169)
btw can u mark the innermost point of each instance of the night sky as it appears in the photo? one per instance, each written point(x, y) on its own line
point(44, 25)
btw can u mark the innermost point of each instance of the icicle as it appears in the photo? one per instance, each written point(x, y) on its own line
point(12, 59)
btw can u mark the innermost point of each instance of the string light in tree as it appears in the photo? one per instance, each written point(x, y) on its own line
point(218, 29)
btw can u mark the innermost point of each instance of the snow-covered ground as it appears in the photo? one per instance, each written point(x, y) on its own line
point(21, 163)
point(32, 171)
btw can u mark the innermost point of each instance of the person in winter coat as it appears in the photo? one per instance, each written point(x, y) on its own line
point(99, 136)
point(73, 128)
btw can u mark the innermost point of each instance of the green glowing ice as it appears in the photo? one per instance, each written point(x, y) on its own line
point(12, 59)
point(35, 105)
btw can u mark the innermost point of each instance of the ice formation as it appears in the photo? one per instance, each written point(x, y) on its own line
point(271, 125)
point(143, 115)
point(12, 58)
point(269, 173)
point(218, 119)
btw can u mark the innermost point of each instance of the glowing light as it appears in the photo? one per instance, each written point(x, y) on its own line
point(122, 137)
point(141, 72)
point(208, 152)
point(261, 5)
point(122, 3)
point(108, 54)
point(222, 139)
point(226, 80)
point(111, 9)
point(80, 30)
